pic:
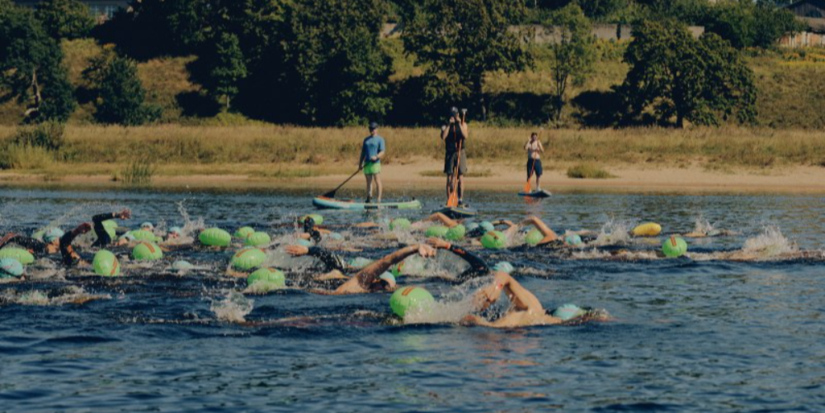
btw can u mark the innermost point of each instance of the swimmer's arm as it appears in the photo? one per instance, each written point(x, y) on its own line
point(477, 265)
point(66, 250)
point(366, 276)
point(548, 233)
point(331, 260)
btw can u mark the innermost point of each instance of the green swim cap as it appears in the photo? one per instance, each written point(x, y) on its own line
point(472, 226)
point(487, 226)
point(38, 235)
point(397, 269)
point(504, 267)
point(22, 256)
point(52, 234)
point(247, 259)
point(10, 267)
point(105, 264)
point(674, 247)
point(146, 251)
point(568, 311)
point(266, 279)
point(400, 224)
point(494, 240)
point(410, 300)
point(533, 237)
point(215, 237)
point(143, 235)
point(244, 232)
point(359, 262)
point(456, 233)
point(110, 226)
point(438, 231)
point(258, 239)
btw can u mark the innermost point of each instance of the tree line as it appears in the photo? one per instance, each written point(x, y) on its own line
point(322, 62)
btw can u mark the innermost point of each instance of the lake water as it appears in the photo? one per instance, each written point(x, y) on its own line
point(689, 335)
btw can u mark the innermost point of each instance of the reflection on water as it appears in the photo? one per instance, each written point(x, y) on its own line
point(690, 335)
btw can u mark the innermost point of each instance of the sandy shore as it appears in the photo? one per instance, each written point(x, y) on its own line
point(496, 177)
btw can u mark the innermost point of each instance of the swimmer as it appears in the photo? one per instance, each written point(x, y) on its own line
point(525, 310)
point(49, 245)
point(103, 238)
point(368, 279)
point(553, 240)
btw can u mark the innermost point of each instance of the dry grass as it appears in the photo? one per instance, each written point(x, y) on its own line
point(588, 171)
point(218, 150)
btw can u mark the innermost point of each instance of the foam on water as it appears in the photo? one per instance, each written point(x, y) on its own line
point(613, 232)
point(451, 307)
point(233, 307)
point(769, 243)
point(67, 295)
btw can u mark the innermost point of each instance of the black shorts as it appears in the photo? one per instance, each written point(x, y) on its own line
point(538, 169)
point(450, 160)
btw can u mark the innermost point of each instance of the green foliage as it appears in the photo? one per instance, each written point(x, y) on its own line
point(573, 55)
point(458, 41)
point(677, 76)
point(139, 172)
point(748, 24)
point(588, 171)
point(65, 19)
point(47, 135)
point(120, 94)
point(335, 67)
point(227, 68)
point(30, 66)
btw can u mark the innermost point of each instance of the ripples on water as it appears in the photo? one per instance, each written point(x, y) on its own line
point(690, 335)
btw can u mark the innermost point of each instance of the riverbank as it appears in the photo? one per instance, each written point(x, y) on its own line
point(424, 175)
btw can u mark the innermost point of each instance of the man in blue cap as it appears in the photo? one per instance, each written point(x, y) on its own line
point(370, 161)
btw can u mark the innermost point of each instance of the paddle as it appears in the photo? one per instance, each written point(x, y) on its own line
point(452, 200)
point(331, 194)
point(527, 184)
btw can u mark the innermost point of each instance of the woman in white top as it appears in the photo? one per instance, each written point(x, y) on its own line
point(534, 150)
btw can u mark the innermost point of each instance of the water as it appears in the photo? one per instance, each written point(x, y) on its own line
point(689, 335)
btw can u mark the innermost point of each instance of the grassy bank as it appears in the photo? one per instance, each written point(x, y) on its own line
point(295, 152)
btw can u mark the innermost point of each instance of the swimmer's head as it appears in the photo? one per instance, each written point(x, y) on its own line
point(175, 232)
point(568, 311)
point(128, 237)
point(147, 226)
point(10, 268)
point(385, 281)
point(504, 267)
point(409, 300)
point(573, 239)
point(309, 224)
point(52, 235)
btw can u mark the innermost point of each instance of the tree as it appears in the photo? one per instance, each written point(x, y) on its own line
point(745, 23)
point(461, 40)
point(682, 78)
point(30, 66)
point(120, 93)
point(573, 55)
point(65, 19)
point(226, 68)
point(336, 70)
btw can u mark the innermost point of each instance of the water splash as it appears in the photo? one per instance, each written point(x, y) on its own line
point(68, 295)
point(452, 306)
point(613, 233)
point(769, 243)
point(702, 226)
point(233, 308)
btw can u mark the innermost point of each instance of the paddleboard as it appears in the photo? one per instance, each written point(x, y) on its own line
point(458, 212)
point(332, 203)
point(536, 194)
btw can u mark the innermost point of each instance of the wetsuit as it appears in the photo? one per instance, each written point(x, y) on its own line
point(331, 260)
point(478, 267)
point(103, 238)
point(67, 252)
point(28, 243)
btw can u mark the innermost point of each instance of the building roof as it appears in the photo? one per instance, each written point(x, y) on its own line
point(816, 3)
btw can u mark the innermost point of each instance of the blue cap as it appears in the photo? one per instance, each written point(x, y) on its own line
point(388, 277)
point(573, 239)
point(176, 230)
point(10, 267)
point(52, 234)
point(568, 311)
point(504, 267)
point(147, 225)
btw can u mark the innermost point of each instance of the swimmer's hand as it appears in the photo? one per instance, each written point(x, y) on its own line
point(296, 250)
point(426, 251)
point(438, 243)
point(125, 214)
point(84, 228)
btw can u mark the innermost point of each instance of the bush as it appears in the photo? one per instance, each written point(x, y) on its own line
point(65, 19)
point(120, 93)
point(48, 136)
point(588, 171)
point(16, 156)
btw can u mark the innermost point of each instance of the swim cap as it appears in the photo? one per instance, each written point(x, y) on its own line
point(244, 232)
point(215, 237)
point(304, 242)
point(387, 277)
point(146, 251)
point(147, 226)
point(22, 256)
point(573, 239)
point(397, 269)
point(175, 230)
point(359, 262)
point(410, 300)
point(143, 235)
point(438, 231)
point(487, 226)
point(128, 236)
point(247, 259)
point(674, 247)
point(10, 267)
point(315, 217)
point(38, 235)
point(105, 264)
point(494, 240)
point(568, 311)
point(181, 265)
point(258, 239)
point(456, 233)
point(504, 267)
point(52, 234)
point(267, 279)
point(471, 226)
point(335, 236)
point(400, 224)
point(533, 237)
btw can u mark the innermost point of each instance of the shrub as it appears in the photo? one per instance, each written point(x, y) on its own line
point(588, 171)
